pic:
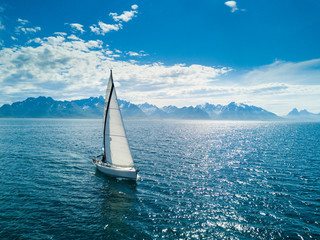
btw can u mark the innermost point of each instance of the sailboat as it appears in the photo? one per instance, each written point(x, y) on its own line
point(116, 160)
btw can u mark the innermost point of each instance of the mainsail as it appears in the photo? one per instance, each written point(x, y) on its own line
point(116, 148)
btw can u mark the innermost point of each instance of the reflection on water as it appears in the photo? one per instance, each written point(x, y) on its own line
point(119, 195)
point(117, 207)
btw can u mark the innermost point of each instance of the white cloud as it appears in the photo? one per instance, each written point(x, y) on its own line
point(77, 27)
point(72, 37)
point(232, 5)
point(2, 27)
point(132, 54)
point(305, 72)
point(94, 44)
point(126, 15)
point(61, 33)
point(25, 30)
point(23, 22)
point(95, 29)
point(104, 28)
point(109, 27)
point(135, 54)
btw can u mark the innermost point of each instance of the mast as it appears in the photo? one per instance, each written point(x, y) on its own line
point(106, 109)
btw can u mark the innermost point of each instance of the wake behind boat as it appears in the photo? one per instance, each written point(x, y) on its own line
point(116, 160)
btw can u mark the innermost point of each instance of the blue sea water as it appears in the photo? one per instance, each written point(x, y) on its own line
point(198, 180)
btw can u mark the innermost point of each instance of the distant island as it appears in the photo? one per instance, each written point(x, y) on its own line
point(47, 107)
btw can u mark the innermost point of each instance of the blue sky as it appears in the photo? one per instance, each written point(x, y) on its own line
point(263, 53)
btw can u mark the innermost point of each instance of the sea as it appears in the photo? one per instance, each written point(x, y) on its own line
point(197, 180)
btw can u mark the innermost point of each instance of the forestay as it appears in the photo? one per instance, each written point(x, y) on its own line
point(116, 148)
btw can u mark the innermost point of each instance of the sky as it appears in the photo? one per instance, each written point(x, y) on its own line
point(165, 52)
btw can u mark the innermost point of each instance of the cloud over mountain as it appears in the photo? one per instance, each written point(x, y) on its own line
point(68, 67)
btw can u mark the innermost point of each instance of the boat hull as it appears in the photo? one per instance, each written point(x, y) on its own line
point(128, 173)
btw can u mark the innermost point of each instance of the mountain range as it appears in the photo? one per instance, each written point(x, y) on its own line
point(46, 107)
point(303, 115)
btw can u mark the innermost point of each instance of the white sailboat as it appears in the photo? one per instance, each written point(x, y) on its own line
point(116, 159)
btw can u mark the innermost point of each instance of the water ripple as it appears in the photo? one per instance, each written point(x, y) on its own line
point(199, 180)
